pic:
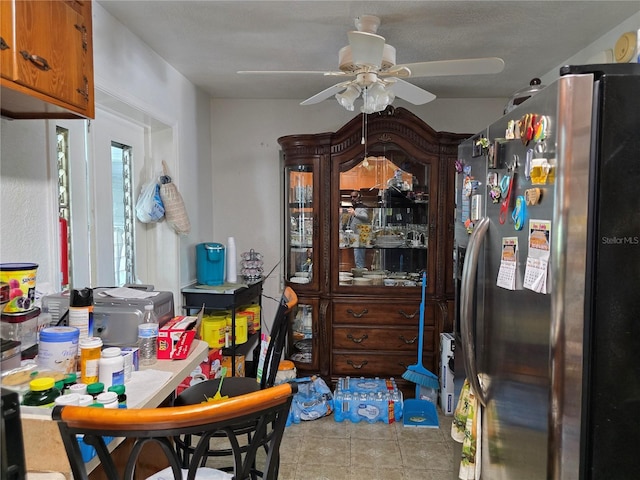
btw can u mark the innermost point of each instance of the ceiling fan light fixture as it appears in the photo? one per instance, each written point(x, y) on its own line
point(376, 98)
point(348, 96)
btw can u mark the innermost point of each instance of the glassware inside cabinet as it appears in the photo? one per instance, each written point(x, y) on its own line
point(302, 334)
point(300, 226)
point(384, 221)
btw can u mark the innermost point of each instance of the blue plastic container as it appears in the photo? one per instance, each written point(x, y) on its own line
point(210, 263)
point(88, 451)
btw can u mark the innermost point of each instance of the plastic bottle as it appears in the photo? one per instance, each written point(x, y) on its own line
point(85, 400)
point(148, 337)
point(111, 367)
point(68, 381)
point(122, 397)
point(42, 393)
point(108, 399)
point(90, 348)
point(68, 399)
point(81, 311)
point(94, 389)
point(79, 388)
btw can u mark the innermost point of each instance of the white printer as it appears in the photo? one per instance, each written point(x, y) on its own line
point(115, 320)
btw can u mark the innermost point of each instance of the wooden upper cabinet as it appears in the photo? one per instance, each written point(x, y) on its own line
point(47, 59)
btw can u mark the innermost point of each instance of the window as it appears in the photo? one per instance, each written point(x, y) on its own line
point(123, 214)
point(64, 208)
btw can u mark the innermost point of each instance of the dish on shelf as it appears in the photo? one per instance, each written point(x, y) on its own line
point(376, 278)
point(398, 275)
point(304, 345)
point(362, 281)
point(358, 272)
point(345, 276)
point(302, 357)
point(389, 241)
point(300, 280)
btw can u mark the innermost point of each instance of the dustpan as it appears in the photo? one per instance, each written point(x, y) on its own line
point(419, 413)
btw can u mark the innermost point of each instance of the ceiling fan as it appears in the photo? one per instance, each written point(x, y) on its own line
point(369, 63)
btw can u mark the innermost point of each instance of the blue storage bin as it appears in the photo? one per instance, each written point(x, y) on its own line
point(88, 451)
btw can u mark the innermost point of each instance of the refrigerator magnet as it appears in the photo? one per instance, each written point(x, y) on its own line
point(519, 213)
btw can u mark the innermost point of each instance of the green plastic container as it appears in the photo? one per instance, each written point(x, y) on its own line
point(42, 393)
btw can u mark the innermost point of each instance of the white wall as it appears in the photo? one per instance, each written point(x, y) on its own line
point(130, 72)
point(28, 228)
point(594, 50)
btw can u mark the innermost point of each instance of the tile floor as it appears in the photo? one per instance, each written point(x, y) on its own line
point(324, 449)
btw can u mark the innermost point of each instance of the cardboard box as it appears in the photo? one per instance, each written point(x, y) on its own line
point(447, 351)
point(131, 357)
point(240, 370)
point(177, 335)
point(199, 374)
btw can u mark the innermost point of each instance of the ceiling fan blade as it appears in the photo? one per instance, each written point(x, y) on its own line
point(464, 66)
point(282, 72)
point(366, 49)
point(326, 93)
point(411, 93)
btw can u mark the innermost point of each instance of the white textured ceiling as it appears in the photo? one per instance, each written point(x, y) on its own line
point(209, 41)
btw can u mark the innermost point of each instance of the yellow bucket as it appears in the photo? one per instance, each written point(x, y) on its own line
point(254, 326)
point(18, 286)
point(213, 329)
point(241, 334)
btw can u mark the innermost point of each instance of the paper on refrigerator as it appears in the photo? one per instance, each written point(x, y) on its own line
point(537, 269)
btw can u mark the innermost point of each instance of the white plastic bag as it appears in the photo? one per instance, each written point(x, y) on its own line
point(149, 207)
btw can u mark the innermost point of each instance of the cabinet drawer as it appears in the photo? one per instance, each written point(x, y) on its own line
point(405, 312)
point(400, 339)
point(375, 365)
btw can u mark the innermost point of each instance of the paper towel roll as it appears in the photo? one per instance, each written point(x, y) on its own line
point(232, 274)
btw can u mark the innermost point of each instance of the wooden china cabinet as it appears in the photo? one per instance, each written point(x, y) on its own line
point(362, 320)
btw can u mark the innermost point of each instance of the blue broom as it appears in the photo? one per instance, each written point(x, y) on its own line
point(417, 373)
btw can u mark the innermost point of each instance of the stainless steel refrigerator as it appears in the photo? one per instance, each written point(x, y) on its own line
point(548, 279)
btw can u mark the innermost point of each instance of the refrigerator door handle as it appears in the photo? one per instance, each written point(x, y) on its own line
point(467, 295)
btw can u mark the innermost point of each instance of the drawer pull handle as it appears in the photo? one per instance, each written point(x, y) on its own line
point(3, 45)
point(408, 342)
point(84, 93)
point(408, 315)
point(358, 366)
point(358, 315)
point(83, 30)
point(357, 340)
point(38, 61)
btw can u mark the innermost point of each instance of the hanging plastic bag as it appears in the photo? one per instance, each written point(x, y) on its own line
point(149, 207)
point(174, 209)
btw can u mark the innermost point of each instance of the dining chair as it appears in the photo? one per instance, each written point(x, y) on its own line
point(233, 386)
point(267, 409)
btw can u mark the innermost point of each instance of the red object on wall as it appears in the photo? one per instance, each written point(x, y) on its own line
point(64, 254)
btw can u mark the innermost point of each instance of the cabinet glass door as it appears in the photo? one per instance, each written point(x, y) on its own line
point(303, 339)
point(385, 214)
point(300, 224)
